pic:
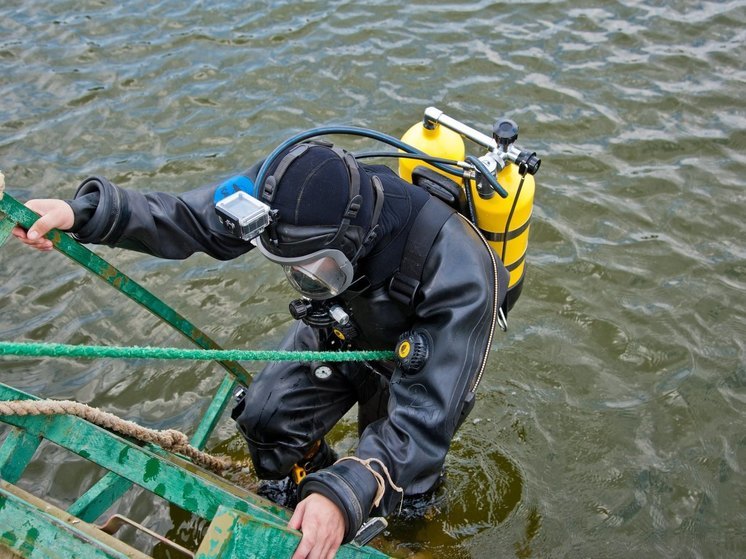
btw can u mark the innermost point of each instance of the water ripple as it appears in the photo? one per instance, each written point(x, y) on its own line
point(616, 395)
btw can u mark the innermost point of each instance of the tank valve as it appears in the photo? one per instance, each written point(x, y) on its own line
point(505, 132)
point(412, 351)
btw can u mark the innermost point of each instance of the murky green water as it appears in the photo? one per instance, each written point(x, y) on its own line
point(610, 422)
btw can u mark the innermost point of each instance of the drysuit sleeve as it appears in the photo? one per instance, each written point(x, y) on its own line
point(162, 224)
point(462, 287)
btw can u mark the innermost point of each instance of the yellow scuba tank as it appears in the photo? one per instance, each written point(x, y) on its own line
point(434, 140)
point(504, 222)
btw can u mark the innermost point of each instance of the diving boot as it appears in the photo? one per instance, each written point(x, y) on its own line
point(280, 491)
point(425, 505)
point(284, 491)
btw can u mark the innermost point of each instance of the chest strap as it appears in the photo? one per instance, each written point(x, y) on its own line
point(405, 283)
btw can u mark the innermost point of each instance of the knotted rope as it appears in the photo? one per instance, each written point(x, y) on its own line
point(380, 481)
point(169, 439)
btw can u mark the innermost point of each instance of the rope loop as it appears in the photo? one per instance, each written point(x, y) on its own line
point(378, 477)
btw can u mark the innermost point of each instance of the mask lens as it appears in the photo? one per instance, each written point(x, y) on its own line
point(319, 279)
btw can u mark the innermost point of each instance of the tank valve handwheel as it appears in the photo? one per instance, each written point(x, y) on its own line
point(505, 132)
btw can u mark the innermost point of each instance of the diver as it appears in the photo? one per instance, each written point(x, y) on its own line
point(378, 264)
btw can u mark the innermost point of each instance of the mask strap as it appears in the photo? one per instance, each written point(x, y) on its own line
point(378, 190)
point(353, 174)
point(372, 233)
point(355, 199)
point(270, 184)
point(268, 189)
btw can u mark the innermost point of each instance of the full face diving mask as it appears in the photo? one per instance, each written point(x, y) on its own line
point(318, 260)
point(319, 275)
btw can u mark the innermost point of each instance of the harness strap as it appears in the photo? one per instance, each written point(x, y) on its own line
point(405, 283)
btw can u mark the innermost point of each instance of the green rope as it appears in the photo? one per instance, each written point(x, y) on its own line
point(93, 352)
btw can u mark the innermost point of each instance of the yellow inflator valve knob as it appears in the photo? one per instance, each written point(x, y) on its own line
point(412, 351)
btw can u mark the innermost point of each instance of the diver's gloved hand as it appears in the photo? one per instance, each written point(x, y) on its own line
point(350, 486)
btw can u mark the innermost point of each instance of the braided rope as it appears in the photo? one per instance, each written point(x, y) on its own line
point(134, 352)
point(169, 439)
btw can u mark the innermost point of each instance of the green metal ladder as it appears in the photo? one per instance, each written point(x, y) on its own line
point(242, 524)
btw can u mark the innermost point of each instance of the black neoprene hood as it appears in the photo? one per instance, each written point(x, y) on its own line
point(322, 200)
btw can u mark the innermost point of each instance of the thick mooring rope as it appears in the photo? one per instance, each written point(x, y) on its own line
point(134, 352)
point(169, 439)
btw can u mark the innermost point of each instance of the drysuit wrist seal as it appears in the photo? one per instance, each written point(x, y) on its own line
point(110, 216)
point(349, 486)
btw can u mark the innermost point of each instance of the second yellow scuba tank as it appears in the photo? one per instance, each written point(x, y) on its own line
point(504, 221)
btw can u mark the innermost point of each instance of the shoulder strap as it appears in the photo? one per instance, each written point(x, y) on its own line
point(405, 283)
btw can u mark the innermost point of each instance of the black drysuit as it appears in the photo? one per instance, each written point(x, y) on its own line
point(407, 419)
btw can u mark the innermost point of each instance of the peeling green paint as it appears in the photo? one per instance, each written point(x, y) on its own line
point(189, 495)
point(9, 537)
point(152, 469)
point(6, 225)
point(29, 543)
point(242, 507)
